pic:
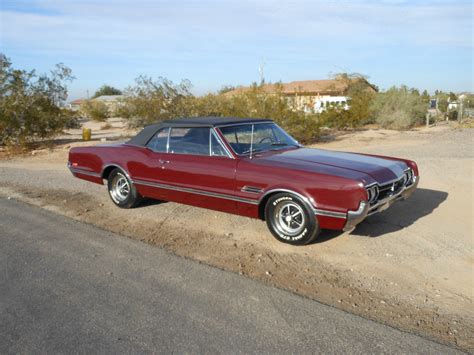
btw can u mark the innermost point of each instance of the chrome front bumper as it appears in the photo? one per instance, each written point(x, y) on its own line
point(364, 210)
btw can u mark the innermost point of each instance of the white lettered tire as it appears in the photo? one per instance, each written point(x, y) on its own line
point(290, 219)
point(121, 190)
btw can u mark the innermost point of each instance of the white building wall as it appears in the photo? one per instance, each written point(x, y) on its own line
point(322, 102)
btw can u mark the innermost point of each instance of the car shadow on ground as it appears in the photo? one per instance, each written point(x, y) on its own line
point(325, 235)
point(401, 214)
point(150, 202)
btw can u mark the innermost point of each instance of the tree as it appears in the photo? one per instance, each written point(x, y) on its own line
point(30, 103)
point(360, 94)
point(96, 110)
point(151, 100)
point(225, 89)
point(425, 97)
point(442, 98)
point(107, 90)
point(399, 108)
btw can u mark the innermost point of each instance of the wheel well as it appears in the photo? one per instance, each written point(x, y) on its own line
point(263, 203)
point(107, 171)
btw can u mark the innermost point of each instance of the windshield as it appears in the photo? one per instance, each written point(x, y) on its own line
point(259, 137)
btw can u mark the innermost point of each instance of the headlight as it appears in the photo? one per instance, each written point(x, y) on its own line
point(373, 193)
point(409, 177)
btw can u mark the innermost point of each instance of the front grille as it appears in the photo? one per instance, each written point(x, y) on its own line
point(391, 189)
point(377, 193)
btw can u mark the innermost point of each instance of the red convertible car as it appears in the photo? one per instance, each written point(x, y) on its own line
point(249, 167)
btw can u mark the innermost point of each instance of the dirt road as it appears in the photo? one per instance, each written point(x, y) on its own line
point(411, 267)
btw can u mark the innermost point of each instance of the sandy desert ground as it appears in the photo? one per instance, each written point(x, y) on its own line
point(411, 267)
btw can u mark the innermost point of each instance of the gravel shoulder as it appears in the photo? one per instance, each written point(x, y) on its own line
point(411, 267)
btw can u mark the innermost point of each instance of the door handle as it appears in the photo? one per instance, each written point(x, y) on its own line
point(161, 161)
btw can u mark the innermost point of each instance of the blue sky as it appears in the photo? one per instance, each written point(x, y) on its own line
point(423, 44)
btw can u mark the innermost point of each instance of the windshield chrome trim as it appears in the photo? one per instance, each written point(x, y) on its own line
point(249, 154)
point(168, 140)
point(243, 124)
point(251, 141)
point(219, 140)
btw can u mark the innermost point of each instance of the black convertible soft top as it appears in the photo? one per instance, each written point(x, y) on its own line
point(142, 138)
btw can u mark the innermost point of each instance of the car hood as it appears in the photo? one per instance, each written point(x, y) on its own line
point(350, 165)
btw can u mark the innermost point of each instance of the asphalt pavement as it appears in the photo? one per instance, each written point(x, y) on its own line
point(68, 287)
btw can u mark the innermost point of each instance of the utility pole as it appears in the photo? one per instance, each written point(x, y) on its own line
point(260, 71)
point(461, 108)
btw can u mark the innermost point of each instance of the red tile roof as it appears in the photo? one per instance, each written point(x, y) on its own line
point(321, 87)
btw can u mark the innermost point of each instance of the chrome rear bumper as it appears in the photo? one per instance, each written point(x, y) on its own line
point(364, 210)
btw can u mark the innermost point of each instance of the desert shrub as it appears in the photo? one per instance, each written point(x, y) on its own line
point(95, 110)
point(152, 100)
point(71, 118)
point(360, 94)
point(399, 108)
point(106, 90)
point(122, 109)
point(156, 100)
point(469, 101)
point(335, 117)
point(256, 103)
point(30, 103)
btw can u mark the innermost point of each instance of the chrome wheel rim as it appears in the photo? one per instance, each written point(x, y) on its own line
point(120, 188)
point(290, 218)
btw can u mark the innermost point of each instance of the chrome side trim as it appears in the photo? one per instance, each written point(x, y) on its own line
point(83, 172)
point(327, 213)
point(196, 191)
point(251, 189)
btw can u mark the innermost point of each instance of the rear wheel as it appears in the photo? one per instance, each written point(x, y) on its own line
point(121, 190)
point(291, 220)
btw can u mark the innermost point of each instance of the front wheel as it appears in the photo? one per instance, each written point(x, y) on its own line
point(291, 220)
point(121, 190)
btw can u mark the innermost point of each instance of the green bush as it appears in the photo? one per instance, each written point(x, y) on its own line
point(156, 100)
point(256, 103)
point(399, 108)
point(71, 118)
point(95, 110)
point(122, 109)
point(30, 103)
point(360, 94)
point(106, 90)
